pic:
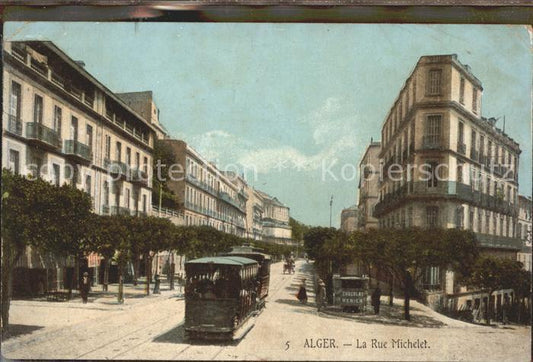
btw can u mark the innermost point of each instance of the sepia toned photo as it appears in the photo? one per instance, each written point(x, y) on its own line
point(266, 191)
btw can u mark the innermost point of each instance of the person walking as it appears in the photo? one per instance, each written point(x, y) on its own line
point(376, 299)
point(302, 293)
point(85, 287)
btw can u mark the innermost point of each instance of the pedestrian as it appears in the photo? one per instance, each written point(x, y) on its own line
point(302, 293)
point(320, 297)
point(506, 309)
point(157, 283)
point(85, 287)
point(376, 299)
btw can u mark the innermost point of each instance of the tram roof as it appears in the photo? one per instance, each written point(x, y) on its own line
point(226, 260)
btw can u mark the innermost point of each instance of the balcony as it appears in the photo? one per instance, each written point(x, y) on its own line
point(116, 168)
point(43, 135)
point(500, 242)
point(432, 143)
point(227, 198)
point(243, 193)
point(78, 150)
point(202, 185)
point(138, 176)
point(444, 189)
point(461, 148)
point(14, 125)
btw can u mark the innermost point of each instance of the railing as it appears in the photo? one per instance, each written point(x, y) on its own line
point(89, 100)
point(138, 175)
point(105, 209)
point(166, 212)
point(19, 52)
point(461, 148)
point(497, 241)
point(57, 79)
point(116, 167)
point(243, 193)
point(37, 131)
point(14, 125)
point(201, 184)
point(73, 147)
point(39, 67)
point(226, 197)
point(431, 143)
point(452, 189)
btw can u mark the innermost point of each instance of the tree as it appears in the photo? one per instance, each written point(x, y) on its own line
point(37, 214)
point(406, 253)
point(492, 273)
point(315, 237)
point(163, 157)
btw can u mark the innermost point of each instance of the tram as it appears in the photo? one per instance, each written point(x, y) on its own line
point(221, 295)
point(264, 261)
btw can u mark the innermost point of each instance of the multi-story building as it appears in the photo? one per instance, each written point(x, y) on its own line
point(444, 165)
point(254, 214)
point(369, 176)
point(524, 230)
point(144, 104)
point(276, 228)
point(206, 195)
point(350, 219)
point(63, 125)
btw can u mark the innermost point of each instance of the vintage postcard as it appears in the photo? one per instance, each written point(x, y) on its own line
point(266, 191)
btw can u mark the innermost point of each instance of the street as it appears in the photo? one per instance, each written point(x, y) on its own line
point(151, 328)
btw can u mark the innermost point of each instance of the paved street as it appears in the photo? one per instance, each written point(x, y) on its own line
point(151, 328)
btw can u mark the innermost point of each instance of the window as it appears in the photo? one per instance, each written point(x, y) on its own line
point(108, 147)
point(434, 82)
point(432, 216)
point(14, 161)
point(489, 151)
point(479, 219)
point(38, 109)
point(118, 152)
point(462, 91)
point(487, 222)
point(14, 100)
point(145, 164)
point(137, 160)
point(88, 184)
point(471, 219)
point(74, 128)
point(105, 200)
point(128, 156)
point(57, 120)
point(433, 174)
point(90, 136)
point(127, 197)
point(55, 176)
point(459, 216)
point(461, 136)
point(433, 130)
point(144, 203)
point(460, 173)
point(410, 217)
point(474, 100)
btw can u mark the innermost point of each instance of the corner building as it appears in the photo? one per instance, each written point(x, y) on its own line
point(444, 165)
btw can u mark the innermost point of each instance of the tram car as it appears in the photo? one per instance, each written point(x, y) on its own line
point(264, 261)
point(220, 296)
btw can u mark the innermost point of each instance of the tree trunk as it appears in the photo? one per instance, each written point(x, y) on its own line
point(8, 262)
point(120, 296)
point(391, 292)
point(148, 269)
point(136, 265)
point(106, 274)
point(172, 271)
point(408, 285)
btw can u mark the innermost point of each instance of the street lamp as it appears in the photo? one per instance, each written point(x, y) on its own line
point(330, 207)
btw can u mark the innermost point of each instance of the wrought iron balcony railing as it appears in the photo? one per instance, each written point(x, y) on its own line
point(76, 148)
point(38, 131)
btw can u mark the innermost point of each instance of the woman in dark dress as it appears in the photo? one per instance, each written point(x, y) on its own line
point(302, 293)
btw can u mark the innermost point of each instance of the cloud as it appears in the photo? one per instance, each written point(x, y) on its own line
point(332, 127)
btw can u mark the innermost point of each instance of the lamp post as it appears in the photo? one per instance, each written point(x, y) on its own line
point(330, 208)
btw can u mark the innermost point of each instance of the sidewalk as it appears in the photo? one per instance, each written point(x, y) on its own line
point(35, 318)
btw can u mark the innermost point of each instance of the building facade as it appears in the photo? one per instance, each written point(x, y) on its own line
point(63, 125)
point(369, 177)
point(206, 195)
point(444, 165)
point(524, 230)
point(275, 221)
point(350, 219)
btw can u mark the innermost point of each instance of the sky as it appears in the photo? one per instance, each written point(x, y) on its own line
point(293, 106)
